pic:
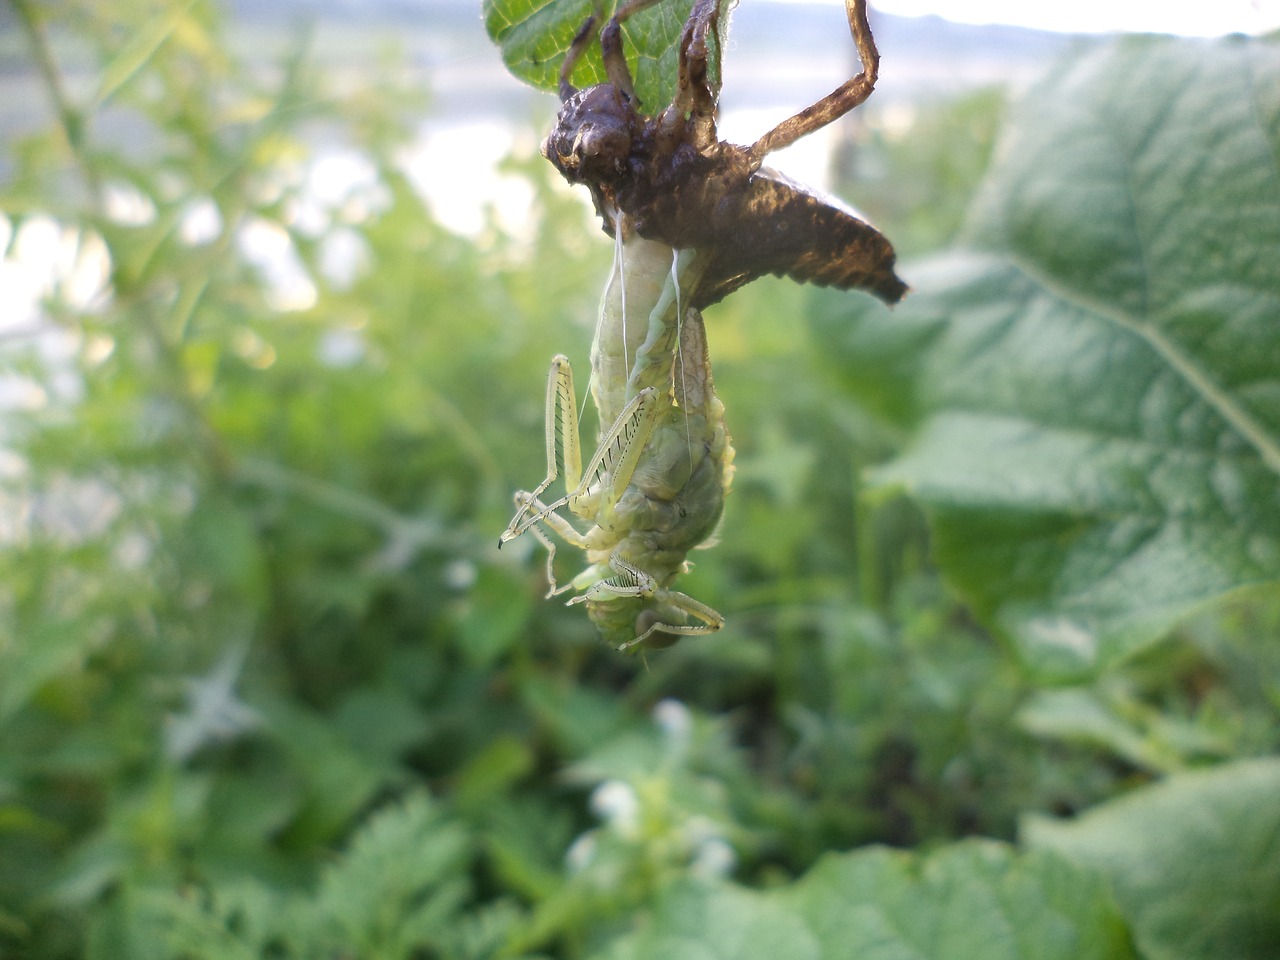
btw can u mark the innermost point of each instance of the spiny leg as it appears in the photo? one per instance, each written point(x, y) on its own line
point(711, 620)
point(633, 583)
point(614, 461)
point(562, 527)
point(620, 448)
point(835, 104)
point(563, 446)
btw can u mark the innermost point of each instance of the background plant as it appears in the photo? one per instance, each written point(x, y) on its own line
point(267, 688)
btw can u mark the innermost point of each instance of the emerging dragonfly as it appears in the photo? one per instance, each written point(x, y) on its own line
point(692, 219)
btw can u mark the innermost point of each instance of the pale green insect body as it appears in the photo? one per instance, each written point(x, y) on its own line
point(655, 487)
point(635, 344)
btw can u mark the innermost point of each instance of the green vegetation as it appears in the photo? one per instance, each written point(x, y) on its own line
point(268, 689)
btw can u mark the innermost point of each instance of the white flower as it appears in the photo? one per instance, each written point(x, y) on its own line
point(674, 720)
point(616, 804)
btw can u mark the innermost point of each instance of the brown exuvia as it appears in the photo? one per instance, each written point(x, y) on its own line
point(675, 183)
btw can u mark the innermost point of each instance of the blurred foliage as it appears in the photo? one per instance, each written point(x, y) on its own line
point(268, 689)
point(916, 168)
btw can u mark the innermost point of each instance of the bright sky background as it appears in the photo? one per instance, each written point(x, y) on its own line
point(1188, 17)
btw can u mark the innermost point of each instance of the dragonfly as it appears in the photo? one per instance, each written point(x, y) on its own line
point(692, 219)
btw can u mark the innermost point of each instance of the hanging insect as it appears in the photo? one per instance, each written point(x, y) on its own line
point(692, 219)
point(654, 488)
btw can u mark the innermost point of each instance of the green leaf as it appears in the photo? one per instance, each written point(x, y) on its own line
point(535, 36)
point(50, 649)
point(1194, 860)
point(1117, 720)
point(222, 538)
point(972, 899)
point(494, 616)
point(697, 922)
point(975, 900)
point(492, 772)
point(1095, 383)
point(399, 884)
point(340, 778)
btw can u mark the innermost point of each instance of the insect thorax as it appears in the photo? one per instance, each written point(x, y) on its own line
point(640, 316)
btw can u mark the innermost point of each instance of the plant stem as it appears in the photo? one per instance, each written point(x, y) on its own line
point(70, 119)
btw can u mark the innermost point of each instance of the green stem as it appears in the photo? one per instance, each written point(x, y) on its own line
point(870, 587)
point(71, 120)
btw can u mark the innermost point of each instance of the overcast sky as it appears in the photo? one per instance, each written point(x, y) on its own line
point(1189, 17)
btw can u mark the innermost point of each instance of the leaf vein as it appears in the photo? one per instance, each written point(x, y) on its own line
point(1199, 379)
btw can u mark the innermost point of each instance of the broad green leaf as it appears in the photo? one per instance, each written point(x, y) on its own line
point(699, 922)
point(1194, 860)
point(1095, 382)
point(1116, 718)
point(972, 899)
point(976, 899)
point(535, 36)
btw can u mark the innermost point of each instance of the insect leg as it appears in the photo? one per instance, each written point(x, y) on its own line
point(581, 39)
point(695, 97)
point(608, 473)
point(527, 501)
point(563, 446)
point(614, 461)
point(633, 582)
point(835, 104)
point(709, 620)
point(615, 61)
